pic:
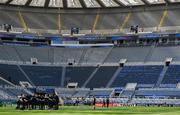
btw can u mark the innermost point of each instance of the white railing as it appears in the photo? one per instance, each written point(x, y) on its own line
point(174, 29)
point(84, 64)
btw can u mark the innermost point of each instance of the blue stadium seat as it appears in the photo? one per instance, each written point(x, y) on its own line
point(138, 74)
point(102, 77)
point(44, 75)
point(78, 74)
point(172, 75)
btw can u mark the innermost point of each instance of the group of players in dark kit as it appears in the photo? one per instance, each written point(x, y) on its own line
point(38, 101)
point(43, 101)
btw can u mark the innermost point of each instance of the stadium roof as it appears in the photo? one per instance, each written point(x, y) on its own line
point(85, 3)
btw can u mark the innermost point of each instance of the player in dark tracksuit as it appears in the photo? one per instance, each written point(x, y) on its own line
point(107, 102)
point(56, 104)
point(94, 102)
point(104, 103)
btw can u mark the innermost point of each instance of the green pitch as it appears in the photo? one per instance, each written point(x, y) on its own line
point(84, 110)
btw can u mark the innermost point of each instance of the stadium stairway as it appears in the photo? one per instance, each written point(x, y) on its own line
point(82, 55)
point(18, 54)
point(172, 75)
point(102, 77)
point(161, 76)
point(63, 76)
point(8, 83)
point(127, 94)
point(113, 77)
point(109, 52)
point(90, 77)
point(150, 53)
point(24, 73)
point(5, 82)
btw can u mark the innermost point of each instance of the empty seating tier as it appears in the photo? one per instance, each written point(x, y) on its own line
point(172, 75)
point(137, 74)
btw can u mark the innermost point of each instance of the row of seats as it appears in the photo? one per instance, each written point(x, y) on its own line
point(144, 76)
point(78, 74)
point(172, 75)
point(156, 101)
point(83, 92)
point(44, 75)
point(11, 93)
point(103, 75)
point(138, 74)
point(157, 93)
point(88, 55)
point(12, 73)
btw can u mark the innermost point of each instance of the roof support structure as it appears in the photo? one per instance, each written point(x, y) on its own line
point(9, 1)
point(65, 4)
point(28, 2)
point(125, 22)
point(164, 15)
point(46, 3)
point(23, 23)
point(59, 23)
point(100, 3)
point(95, 22)
point(82, 3)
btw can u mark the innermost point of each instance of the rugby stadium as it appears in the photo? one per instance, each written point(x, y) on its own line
point(104, 57)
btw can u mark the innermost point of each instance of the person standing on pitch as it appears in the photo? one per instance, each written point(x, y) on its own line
point(94, 102)
point(104, 102)
point(107, 102)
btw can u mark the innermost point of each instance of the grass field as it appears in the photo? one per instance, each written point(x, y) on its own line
point(99, 111)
